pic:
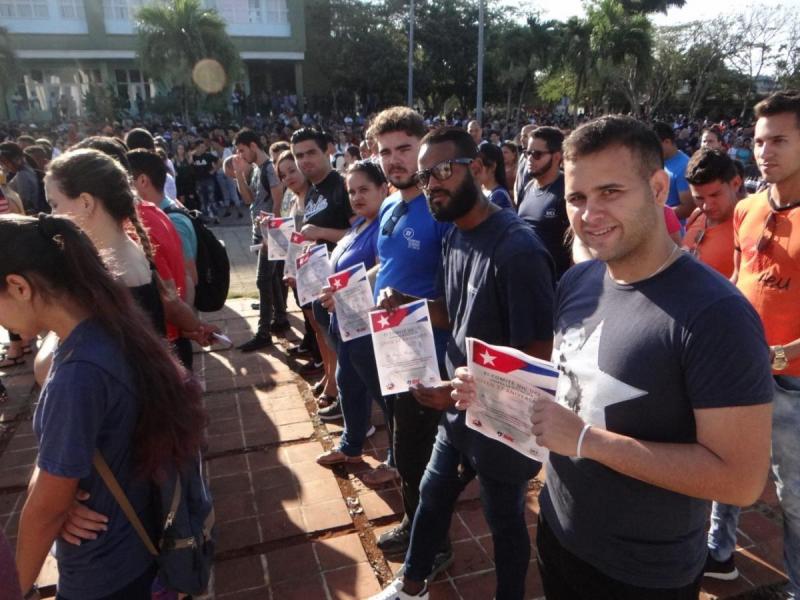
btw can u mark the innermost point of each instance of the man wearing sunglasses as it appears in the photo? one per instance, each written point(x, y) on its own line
point(767, 272)
point(496, 285)
point(542, 205)
point(410, 257)
point(714, 182)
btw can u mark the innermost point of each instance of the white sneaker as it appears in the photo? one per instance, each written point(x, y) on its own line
point(394, 591)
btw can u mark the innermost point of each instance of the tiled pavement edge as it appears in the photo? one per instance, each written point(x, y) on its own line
point(288, 528)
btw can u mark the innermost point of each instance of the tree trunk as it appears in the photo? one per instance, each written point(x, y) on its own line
point(521, 97)
point(508, 105)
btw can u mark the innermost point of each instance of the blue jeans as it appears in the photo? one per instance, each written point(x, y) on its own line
point(448, 472)
point(230, 195)
point(358, 384)
point(786, 472)
point(206, 191)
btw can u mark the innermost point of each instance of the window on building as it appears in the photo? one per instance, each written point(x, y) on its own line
point(24, 9)
point(121, 10)
point(277, 11)
point(71, 9)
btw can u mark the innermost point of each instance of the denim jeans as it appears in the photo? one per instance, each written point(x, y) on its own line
point(786, 472)
point(414, 430)
point(446, 475)
point(358, 384)
point(206, 191)
point(230, 195)
point(270, 294)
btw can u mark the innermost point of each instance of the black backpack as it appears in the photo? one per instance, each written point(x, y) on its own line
point(213, 266)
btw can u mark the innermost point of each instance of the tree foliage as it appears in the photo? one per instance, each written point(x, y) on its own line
point(173, 37)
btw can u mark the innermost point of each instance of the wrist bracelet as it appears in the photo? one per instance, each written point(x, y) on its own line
point(580, 439)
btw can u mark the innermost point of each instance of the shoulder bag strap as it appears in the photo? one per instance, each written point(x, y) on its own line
point(119, 495)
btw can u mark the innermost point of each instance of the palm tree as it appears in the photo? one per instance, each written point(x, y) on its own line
point(175, 36)
point(8, 67)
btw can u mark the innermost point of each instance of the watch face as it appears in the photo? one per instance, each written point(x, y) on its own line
point(780, 363)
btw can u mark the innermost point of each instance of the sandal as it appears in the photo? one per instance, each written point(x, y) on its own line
point(337, 457)
point(11, 361)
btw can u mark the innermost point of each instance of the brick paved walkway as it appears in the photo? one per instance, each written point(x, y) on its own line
point(290, 529)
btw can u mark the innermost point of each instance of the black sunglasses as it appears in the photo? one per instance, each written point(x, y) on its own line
point(441, 171)
point(536, 154)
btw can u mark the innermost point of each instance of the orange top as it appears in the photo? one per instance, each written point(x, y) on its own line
point(711, 245)
point(770, 279)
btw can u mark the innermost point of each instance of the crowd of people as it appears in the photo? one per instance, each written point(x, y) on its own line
point(653, 264)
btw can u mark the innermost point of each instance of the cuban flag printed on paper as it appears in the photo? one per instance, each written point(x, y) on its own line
point(341, 279)
point(410, 313)
point(306, 256)
point(494, 359)
point(297, 238)
point(276, 222)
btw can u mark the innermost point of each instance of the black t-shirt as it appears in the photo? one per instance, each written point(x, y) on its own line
point(638, 360)
point(203, 164)
point(498, 283)
point(328, 205)
point(544, 209)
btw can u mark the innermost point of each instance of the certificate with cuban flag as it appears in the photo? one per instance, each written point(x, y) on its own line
point(279, 231)
point(313, 268)
point(352, 297)
point(404, 350)
point(297, 245)
point(508, 382)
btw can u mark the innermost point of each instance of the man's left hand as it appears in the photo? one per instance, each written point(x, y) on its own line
point(438, 397)
point(556, 427)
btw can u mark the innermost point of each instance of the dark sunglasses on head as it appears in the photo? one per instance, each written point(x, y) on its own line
point(441, 171)
point(536, 154)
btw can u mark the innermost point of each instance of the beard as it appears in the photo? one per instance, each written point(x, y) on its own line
point(402, 184)
point(543, 169)
point(460, 202)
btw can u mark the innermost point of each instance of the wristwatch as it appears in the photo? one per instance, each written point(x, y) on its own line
point(779, 362)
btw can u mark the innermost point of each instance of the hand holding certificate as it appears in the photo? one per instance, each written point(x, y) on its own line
point(279, 230)
point(507, 384)
point(352, 297)
point(313, 269)
point(404, 350)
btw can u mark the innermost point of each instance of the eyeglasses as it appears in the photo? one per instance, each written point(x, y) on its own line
point(536, 154)
point(442, 171)
point(769, 228)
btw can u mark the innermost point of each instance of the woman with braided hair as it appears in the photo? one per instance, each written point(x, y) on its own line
point(113, 386)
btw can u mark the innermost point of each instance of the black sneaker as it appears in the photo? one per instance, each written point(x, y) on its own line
point(724, 570)
point(298, 350)
point(227, 213)
point(332, 412)
point(312, 368)
point(255, 305)
point(395, 541)
point(258, 342)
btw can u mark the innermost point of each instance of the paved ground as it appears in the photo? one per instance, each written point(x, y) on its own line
point(290, 529)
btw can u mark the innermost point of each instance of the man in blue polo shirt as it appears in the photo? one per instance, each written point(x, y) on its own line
point(409, 253)
point(675, 163)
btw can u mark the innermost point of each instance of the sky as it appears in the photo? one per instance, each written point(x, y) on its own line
point(693, 9)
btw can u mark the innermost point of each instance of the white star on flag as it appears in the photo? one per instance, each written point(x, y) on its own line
point(487, 358)
point(384, 321)
point(337, 283)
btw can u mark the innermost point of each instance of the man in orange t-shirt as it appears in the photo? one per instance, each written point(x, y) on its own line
point(714, 182)
point(767, 271)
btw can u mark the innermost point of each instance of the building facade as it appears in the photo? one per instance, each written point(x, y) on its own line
point(65, 46)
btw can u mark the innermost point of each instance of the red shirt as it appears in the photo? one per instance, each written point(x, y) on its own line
point(167, 250)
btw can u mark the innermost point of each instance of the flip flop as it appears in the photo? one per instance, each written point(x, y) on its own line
point(9, 361)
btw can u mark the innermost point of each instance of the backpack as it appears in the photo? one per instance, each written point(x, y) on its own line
point(213, 266)
point(186, 539)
